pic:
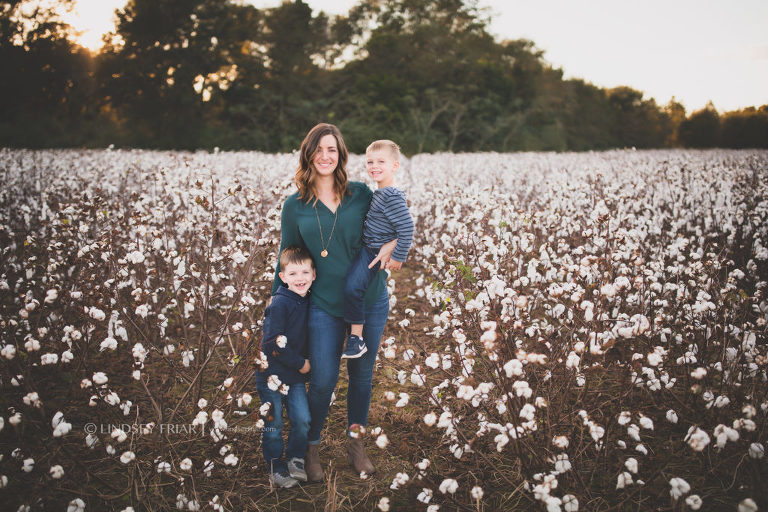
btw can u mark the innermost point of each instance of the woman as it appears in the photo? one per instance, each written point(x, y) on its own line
point(326, 216)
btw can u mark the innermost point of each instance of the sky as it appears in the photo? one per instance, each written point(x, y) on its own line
point(693, 50)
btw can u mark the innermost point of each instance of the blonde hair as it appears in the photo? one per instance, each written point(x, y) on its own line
point(385, 145)
point(306, 173)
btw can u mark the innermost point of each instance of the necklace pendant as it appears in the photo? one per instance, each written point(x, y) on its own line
point(324, 253)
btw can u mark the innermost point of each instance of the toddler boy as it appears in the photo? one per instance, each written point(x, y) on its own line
point(388, 218)
point(283, 382)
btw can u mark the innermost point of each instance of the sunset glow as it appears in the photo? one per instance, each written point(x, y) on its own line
point(92, 19)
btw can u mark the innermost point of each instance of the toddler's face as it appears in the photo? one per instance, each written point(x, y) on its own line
point(298, 277)
point(381, 166)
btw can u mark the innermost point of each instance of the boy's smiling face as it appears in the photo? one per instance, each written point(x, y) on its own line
point(381, 166)
point(298, 277)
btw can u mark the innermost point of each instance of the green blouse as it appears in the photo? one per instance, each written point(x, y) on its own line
point(298, 226)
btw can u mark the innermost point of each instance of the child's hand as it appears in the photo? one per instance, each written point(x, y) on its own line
point(305, 368)
point(394, 265)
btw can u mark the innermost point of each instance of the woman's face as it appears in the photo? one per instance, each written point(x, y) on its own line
point(326, 156)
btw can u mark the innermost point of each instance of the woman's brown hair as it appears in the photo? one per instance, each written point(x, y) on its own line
point(306, 174)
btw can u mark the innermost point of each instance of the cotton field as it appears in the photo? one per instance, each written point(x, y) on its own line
point(570, 332)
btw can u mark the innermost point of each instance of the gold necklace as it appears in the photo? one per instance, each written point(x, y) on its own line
point(323, 244)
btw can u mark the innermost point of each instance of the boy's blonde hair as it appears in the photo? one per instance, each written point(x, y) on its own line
point(385, 145)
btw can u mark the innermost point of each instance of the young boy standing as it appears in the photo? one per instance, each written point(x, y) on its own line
point(388, 218)
point(283, 382)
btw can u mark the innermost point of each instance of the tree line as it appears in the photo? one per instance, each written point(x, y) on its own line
point(188, 74)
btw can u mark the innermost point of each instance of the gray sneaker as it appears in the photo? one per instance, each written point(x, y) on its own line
point(282, 480)
point(296, 469)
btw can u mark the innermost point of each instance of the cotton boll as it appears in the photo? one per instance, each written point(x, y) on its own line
point(8, 351)
point(28, 465)
point(512, 368)
point(608, 290)
point(449, 485)
point(32, 345)
point(99, 378)
point(76, 505)
point(108, 344)
point(756, 450)
point(646, 422)
point(400, 479)
point(678, 488)
point(694, 502)
point(56, 472)
point(51, 296)
point(697, 438)
point(382, 441)
point(562, 464)
point(671, 416)
point(623, 480)
point(425, 496)
point(570, 503)
point(633, 431)
point(747, 505)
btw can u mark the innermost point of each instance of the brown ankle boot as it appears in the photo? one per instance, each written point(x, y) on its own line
point(357, 456)
point(312, 464)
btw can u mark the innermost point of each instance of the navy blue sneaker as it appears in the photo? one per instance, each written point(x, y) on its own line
point(355, 348)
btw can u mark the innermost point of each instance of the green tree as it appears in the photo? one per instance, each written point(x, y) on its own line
point(675, 112)
point(638, 122)
point(701, 129)
point(747, 128)
point(166, 69)
point(47, 80)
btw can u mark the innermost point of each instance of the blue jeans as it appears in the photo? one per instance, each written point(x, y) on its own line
point(326, 341)
point(272, 435)
point(359, 276)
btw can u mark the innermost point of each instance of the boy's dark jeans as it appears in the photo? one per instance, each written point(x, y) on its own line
point(272, 436)
point(359, 276)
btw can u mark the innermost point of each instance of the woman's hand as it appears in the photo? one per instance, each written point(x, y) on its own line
point(385, 254)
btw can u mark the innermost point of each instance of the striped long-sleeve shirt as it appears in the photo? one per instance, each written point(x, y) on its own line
point(388, 218)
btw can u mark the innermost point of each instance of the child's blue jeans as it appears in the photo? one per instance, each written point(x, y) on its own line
point(272, 435)
point(359, 277)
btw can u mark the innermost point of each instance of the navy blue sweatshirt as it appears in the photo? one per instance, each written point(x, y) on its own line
point(287, 316)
